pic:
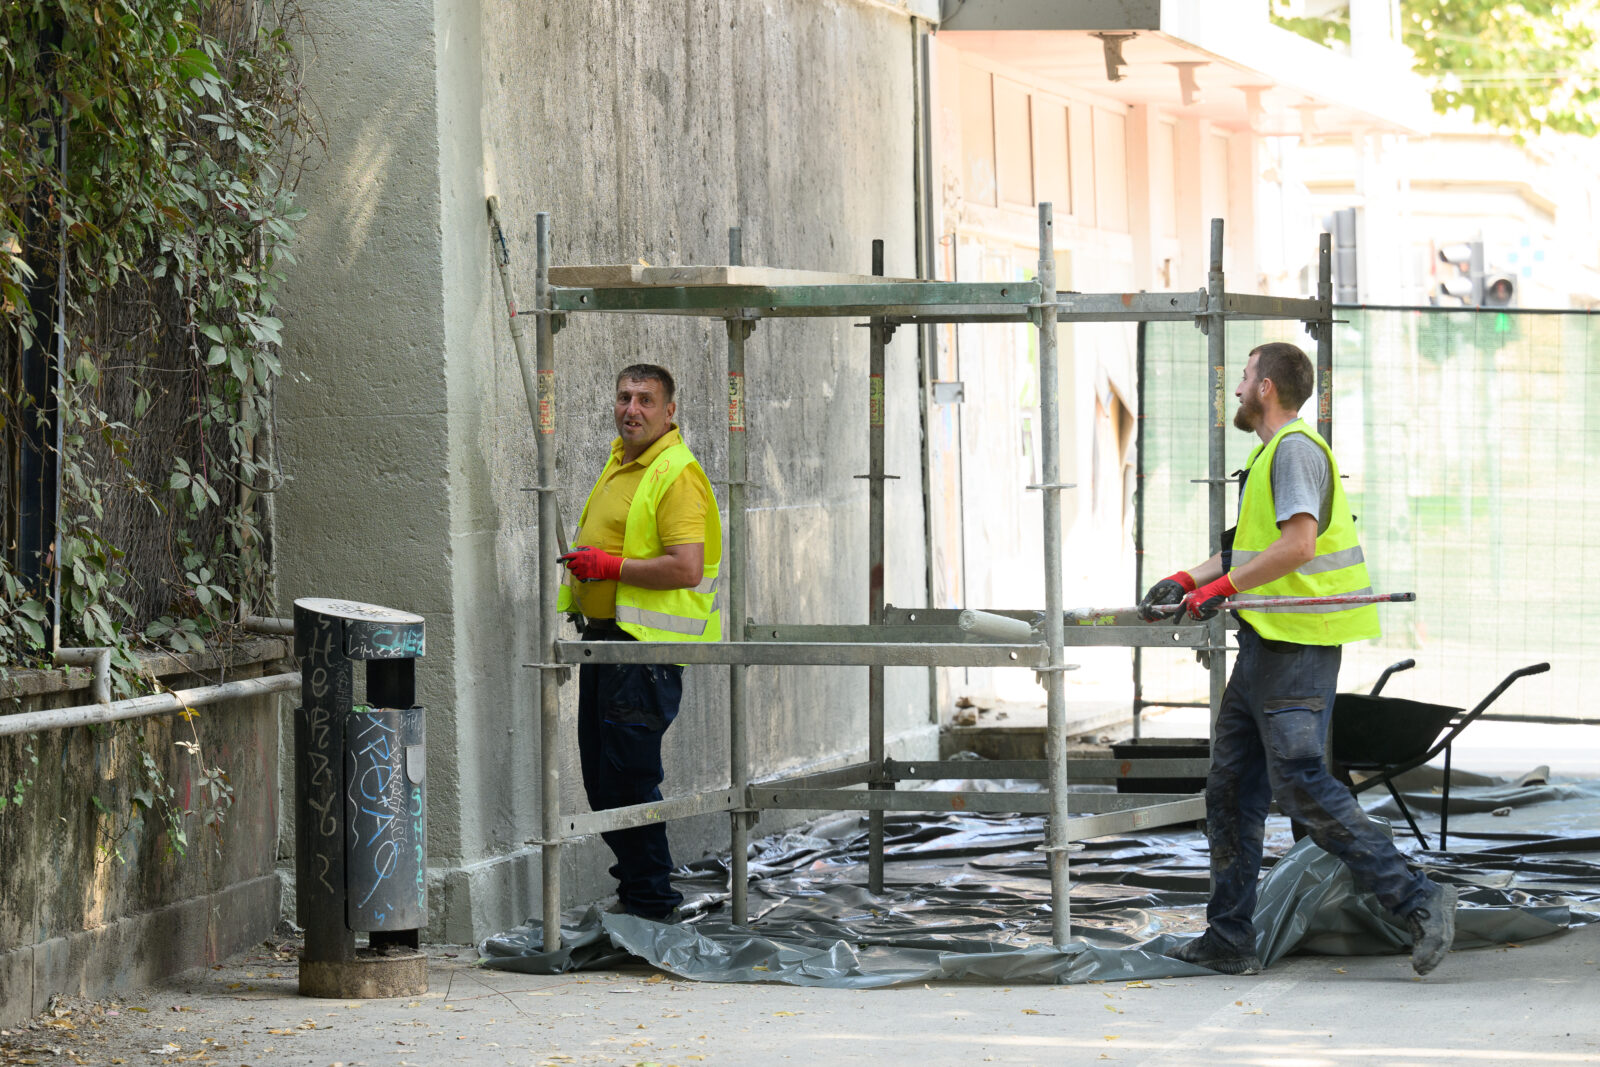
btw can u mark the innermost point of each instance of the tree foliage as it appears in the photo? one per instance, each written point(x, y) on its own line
point(1523, 66)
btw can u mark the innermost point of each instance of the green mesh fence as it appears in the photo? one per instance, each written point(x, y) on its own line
point(1470, 446)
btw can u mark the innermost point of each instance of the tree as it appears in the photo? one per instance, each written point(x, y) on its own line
point(1523, 67)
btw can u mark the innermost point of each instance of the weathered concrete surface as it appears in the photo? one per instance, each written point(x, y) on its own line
point(93, 896)
point(646, 130)
point(1527, 1005)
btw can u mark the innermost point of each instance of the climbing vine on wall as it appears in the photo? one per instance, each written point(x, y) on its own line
point(171, 213)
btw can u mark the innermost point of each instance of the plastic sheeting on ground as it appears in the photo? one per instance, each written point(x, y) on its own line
point(967, 897)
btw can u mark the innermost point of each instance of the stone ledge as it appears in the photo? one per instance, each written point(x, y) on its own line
point(43, 681)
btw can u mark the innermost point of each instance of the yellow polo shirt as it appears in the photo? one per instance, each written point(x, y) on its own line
point(680, 518)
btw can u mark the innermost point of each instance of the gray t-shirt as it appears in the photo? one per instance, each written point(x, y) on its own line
point(1302, 480)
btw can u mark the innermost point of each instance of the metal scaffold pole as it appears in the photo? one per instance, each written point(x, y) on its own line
point(875, 478)
point(1056, 835)
point(549, 535)
point(1324, 336)
point(734, 569)
point(1217, 349)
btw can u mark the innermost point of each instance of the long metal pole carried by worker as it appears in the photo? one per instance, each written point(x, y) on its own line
point(1259, 604)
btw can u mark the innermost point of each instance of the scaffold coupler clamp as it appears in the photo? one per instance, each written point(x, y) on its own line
point(743, 320)
point(563, 670)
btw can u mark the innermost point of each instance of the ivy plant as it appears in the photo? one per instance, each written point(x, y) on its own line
point(184, 129)
point(170, 213)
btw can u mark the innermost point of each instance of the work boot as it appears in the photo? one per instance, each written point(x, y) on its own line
point(1433, 928)
point(1205, 952)
point(671, 918)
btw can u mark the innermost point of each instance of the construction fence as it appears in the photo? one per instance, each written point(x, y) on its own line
point(1469, 442)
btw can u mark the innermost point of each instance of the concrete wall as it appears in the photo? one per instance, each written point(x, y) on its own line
point(93, 897)
point(645, 130)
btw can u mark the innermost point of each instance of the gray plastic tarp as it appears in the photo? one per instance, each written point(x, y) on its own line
point(967, 897)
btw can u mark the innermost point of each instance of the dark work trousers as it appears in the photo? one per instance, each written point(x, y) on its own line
point(1269, 741)
point(624, 709)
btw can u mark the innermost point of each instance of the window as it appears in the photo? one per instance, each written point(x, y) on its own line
point(977, 136)
point(1052, 161)
point(1013, 138)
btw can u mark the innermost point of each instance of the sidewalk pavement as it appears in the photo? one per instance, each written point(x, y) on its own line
point(1530, 1004)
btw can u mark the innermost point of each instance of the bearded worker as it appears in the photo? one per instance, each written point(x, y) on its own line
point(643, 568)
point(1295, 537)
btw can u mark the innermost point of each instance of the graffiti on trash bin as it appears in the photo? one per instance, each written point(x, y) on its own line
point(384, 844)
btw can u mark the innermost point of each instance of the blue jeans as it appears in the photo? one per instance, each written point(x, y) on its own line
point(624, 710)
point(1269, 741)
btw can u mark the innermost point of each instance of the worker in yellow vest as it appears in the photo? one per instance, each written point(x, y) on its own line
point(643, 568)
point(1295, 538)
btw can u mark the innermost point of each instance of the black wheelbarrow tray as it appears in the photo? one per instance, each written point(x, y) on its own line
point(1386, 736)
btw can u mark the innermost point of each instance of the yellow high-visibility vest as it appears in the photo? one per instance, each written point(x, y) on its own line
point(663, 614)
point(1337, 568)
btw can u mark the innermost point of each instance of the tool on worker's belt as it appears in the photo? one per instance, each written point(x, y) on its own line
point(1245, 603)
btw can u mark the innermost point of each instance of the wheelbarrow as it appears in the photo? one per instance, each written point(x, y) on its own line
point(1386, 737)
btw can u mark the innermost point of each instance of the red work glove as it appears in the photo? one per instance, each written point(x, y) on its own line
point(1201, 604)
point(591, 564)
point(1169, 590)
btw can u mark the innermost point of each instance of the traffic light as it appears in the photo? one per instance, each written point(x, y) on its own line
point(1467, 286)
point(1499, 291)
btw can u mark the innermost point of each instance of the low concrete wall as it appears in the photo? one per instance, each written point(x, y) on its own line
point(94, 896)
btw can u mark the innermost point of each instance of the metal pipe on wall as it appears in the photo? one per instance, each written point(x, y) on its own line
point(96, 659)
point(263, 624)
point(549, 679)
point(29, 722)
point(733, 566)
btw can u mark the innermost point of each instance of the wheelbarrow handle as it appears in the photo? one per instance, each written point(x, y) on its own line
point(1403, 665)
point(1520, 672)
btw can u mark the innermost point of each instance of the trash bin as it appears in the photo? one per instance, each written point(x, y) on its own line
point(1138, 748)
point(360, 801)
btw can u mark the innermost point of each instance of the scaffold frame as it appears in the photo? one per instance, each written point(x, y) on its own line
point(892, 636)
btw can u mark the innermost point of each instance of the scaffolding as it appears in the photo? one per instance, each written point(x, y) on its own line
point(743, 296)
